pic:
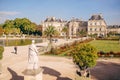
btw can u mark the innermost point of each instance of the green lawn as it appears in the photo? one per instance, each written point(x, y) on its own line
point(106, 45)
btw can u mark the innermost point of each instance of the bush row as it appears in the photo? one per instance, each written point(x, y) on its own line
point(1, 52)
point(65, 50)
point(108, 54)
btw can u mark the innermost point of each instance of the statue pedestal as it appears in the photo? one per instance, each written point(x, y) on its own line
point(33, 74)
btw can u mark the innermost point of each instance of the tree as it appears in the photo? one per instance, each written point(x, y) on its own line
point(50, 31)
point(8, 26)
point(84, 56)
point(1, 30)
point(65, 30)
point(38, 30)
point(19, 25)
point(82, 33)
point(25, 25)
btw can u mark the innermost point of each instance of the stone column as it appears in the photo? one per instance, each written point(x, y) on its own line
point(33, 74)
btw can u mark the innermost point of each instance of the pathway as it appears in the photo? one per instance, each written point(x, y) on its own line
point(55, 68)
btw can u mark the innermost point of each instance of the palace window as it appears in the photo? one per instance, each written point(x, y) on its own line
point(95, 23)
point(95, 29)
point(90, 24)
point(100, 29)
point(90, 29)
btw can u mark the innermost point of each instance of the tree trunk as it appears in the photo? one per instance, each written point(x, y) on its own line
point(83, 71)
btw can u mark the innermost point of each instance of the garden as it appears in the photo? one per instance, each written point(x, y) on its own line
point(105, 48)
point(108, 48)
point(85, 53)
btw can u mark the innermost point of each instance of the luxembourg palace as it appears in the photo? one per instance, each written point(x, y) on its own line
point(95, 25)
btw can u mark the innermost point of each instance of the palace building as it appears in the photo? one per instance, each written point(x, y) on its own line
point(59, 24)
point(76, 25)
point(95, 25)
point(113, 28)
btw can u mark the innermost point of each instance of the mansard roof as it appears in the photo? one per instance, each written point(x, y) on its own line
point(53, 19)
point(75, 20)
point(113, 26)
point(79, 21)
point(96, 17)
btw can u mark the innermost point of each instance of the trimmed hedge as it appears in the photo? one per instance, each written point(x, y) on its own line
point(66, 49)
point(1, 52)
point(108, 54)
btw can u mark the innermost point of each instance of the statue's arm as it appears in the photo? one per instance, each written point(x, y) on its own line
point(35, 49)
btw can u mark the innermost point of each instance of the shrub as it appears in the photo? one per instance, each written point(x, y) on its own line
point(84, 56)
point(1, 52)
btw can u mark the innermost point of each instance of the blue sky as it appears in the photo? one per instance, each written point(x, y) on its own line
point(38, 10)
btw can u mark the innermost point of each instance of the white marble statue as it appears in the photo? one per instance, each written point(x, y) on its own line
point(32, 57)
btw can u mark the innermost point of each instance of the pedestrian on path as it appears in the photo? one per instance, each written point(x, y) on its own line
point(15, 49)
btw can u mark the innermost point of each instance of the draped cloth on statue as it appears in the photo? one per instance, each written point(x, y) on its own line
point(32, 57)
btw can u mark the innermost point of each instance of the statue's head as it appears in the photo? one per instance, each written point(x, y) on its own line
point(33, 41)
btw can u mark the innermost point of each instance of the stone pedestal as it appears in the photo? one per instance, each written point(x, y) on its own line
point(33, 74)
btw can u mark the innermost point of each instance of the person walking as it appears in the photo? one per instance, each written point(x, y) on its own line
point(15, 49)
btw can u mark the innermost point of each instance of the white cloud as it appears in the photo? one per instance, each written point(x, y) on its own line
point(4, 15)
point(8, 13)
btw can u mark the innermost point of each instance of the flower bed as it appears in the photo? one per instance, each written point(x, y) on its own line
point(66, 49)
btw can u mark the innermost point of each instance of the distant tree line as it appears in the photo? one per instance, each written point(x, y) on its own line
point(20, 26)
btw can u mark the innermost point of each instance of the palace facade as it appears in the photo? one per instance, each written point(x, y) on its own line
point(113, 28)
point(95, 25)
point(59, 24)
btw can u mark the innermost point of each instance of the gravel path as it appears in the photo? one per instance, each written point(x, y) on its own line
point(55, 68)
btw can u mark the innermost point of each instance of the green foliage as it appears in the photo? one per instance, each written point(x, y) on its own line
point(93, 35)
point(66, 49)
point(50, 31)
point(1, 52)
point(85, 55)
point(19, 25)
point(1, 31)
point(65, 30)
point(38, 30)
point(82, 33)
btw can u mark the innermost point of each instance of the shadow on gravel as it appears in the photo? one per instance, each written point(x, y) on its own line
point(55, 73)
point(15, 76)
point(106, 71)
